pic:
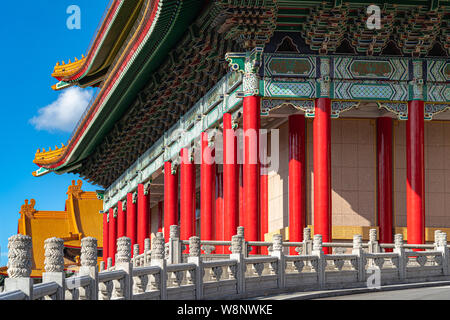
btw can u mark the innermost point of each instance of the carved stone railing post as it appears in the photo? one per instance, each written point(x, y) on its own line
point(102, 266)
point(441, 244)
point(437, 234)
point(237, 253)
point(279, 266)
point(89, 266)
point(174, 245)
point(135, 255)
point(361, 260)
point(109, 264)
point(123, 262)
point(54, 266)
point(158, 259)
point(195, 258)
point(321, 263)
point(19, 265)
point(147, 248)
point(374, 246)
point(307, 241)
point(241, 233)
point(400, 250)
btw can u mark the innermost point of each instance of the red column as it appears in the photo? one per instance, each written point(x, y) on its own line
point(143, 216)
point(121, 223)
point(415, 173)
point(230, 180)
point(384, 179)
point(296, 179)
point(220, 218)
point(187, 196)
point(206, 190)
point(131, 218)
point(112, 245)
point(251, 172)
point(160, 216)
point(170, 199)
point(241, 197)
point(105, 239)
point(264, 204)
point(322, 169)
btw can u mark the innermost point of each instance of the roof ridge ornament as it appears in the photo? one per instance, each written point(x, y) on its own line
point(75, 189)
point(28, 209)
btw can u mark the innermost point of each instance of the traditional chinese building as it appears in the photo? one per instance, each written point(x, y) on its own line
point(79, 219)
point(362, 118)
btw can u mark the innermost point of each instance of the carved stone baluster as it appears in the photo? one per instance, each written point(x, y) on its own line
point(105, 290)
point(217, 273)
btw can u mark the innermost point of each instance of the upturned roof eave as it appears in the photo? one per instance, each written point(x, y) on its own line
point(107, 113)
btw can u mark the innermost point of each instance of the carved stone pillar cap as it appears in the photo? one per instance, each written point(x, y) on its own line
point(357, 241)
point(19, 256)
point(398, 240)
point(194, 247)
point(135, 250)
point(174, 232)
point(147, 244)
point(123, 250)
point(437, 234)
point(54, 255)
point(109, 263)
point(158, 246)
point(442, 240)
point(241, 231)
point(88, 252)
point(373, 235)
point(277, 242)
point(236, 244)
point(317, 242)
point(306, 234)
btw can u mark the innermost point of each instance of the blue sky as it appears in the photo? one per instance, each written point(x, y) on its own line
point(34, 37)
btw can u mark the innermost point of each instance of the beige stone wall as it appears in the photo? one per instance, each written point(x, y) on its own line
point(353, 154)
point(154, 221)
point(437, 173)
point(353, 170)
point(278, 188)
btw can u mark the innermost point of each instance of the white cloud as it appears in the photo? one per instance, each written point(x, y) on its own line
point(63, 113)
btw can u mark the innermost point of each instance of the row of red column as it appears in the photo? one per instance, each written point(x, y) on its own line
point(132, 221)
point(246, 203)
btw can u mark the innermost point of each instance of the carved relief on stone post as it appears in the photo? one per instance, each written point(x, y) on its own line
point(19, 256)
point(88, 252)
point(54, 255)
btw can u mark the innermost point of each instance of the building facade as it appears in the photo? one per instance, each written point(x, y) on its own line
point(356, 119)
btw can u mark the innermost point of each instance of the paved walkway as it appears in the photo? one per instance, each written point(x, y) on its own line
point(438, 290)
point(434, 293)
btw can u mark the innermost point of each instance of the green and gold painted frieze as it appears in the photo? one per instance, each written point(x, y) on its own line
point(355, 78)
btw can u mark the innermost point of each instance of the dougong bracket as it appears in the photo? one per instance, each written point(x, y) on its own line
point(248, 64)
